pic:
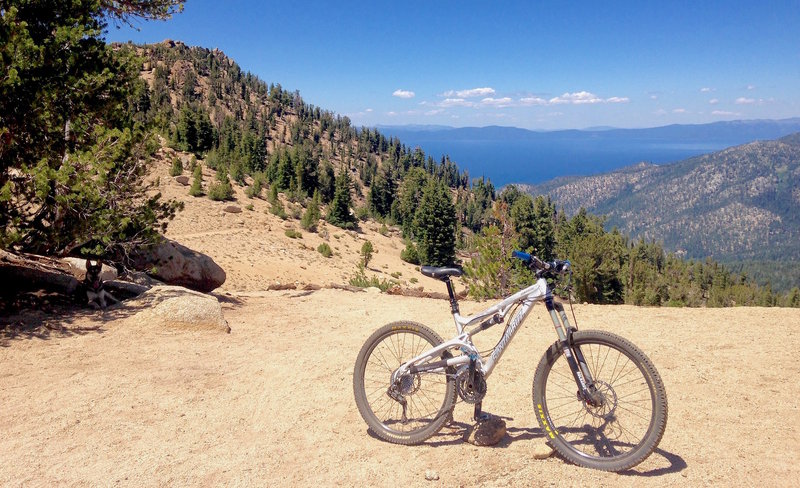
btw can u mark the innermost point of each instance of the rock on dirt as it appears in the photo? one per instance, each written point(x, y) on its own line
point(183, 180)
point(176, 264)
point(176, 307)
point(78, 269)
point(486, 432)
point(542, 451)
point(431, 475)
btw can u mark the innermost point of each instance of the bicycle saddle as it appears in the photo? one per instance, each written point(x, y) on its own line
point(440, 273)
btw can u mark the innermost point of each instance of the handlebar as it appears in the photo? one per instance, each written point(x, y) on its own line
point(552, 267)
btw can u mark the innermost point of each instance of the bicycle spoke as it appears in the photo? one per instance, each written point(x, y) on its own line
point(615, 426)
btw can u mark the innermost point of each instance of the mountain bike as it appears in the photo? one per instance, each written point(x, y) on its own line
point(598, 399)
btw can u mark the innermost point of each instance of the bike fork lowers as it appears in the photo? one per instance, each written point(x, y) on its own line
point(575, 359)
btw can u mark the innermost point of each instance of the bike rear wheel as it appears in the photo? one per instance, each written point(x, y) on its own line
point(429, 397)
point(627, 425)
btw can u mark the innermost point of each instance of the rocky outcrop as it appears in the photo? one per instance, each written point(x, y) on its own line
point(176, 264)
point(175, 307)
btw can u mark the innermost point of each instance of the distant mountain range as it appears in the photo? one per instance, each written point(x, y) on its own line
point(510, 154)
point(739, 204)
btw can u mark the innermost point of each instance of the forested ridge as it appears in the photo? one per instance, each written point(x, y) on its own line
point(740, 206)
point(82, 193)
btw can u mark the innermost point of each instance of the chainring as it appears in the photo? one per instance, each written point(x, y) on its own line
point(470, 389)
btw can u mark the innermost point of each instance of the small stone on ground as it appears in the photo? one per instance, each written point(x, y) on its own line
point(431, 475)
point(542, 451)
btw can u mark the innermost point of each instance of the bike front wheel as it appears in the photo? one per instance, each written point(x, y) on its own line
point(629, 416)
point(415, 408)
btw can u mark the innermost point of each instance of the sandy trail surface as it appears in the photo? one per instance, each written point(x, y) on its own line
point(111, 400)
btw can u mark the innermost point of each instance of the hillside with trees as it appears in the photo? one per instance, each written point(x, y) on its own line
point(82, 123)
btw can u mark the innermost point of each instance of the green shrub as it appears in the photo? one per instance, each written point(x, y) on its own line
point(362, 213)
point(177, 167)
point(277, 209)
point(410, 254)
point(384, 231)
point(361, 280)
point(220, 191)
point(293, 234)
point(325, 250)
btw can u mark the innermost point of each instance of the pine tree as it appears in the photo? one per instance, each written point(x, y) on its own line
point(196, 189)
point(71, 158)
point(488, 273)
point(326, 182)
point(435, 224)
point(312, 213)
point(366, 253)
point(339, 210)
point(177, 167)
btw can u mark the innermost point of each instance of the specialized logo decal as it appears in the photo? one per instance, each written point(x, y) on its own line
point(512, 327)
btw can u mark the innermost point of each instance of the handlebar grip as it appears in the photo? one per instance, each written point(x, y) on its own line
point(521, 255)
point(531, 260)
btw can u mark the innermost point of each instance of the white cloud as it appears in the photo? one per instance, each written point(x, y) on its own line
point(751, 87)
point(391, 114)
point(497, 102)
point(745, 101)
point(660, 111)
point(679, 111)
point(576, 98)
point(368, 110)
point(532, 101)
point(584, 97)
point(455, 102)
point(471, 93)
point(403, 94)
point(653, 97)
point(434, 112)
point(724, 112)
point(713, 101)
point(706, 89)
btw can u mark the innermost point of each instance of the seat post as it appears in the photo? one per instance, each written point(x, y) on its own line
point(450, 291)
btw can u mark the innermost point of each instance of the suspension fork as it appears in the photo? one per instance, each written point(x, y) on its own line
point(575, 359)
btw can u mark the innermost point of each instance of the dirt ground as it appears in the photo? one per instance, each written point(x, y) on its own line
point(110, 400)
point(107, 398)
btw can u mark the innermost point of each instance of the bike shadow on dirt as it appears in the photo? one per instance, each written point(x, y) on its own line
point(454, 433)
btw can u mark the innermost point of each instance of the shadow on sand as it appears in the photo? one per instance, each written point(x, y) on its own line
point(453, 433)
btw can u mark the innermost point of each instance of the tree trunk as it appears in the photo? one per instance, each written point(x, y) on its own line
point(31, 272)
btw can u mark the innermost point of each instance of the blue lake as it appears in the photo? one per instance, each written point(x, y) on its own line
point(527, 161)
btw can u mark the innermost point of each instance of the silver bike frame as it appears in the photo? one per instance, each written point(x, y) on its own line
point(526, 297)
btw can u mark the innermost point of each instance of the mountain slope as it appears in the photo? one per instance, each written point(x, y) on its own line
point(739, 203)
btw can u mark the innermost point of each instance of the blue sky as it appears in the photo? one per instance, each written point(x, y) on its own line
point(537, 65)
